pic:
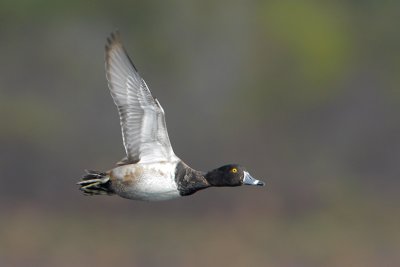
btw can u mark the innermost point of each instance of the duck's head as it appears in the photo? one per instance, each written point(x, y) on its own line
point(231, 175)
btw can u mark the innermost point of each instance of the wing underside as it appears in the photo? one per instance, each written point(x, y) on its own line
point(144, 131)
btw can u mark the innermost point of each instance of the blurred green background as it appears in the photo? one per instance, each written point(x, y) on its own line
point(305, 94)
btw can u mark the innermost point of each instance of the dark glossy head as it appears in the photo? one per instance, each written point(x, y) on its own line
point(231, 175)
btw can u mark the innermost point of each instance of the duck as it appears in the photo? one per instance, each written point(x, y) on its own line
point(150, 171)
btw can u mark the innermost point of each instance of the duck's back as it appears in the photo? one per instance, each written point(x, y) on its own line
point(147, 181)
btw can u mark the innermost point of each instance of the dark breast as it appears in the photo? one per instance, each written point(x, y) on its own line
point(189, 181)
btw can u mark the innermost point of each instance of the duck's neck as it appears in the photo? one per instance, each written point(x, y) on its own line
point(189, 181)
point(214, 178)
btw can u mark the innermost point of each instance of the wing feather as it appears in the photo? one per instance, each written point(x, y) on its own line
point(144, 131)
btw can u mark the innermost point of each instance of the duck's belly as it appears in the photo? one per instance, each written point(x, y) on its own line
point(152, 181)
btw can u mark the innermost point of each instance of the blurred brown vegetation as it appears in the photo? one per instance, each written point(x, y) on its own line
point(304, 94)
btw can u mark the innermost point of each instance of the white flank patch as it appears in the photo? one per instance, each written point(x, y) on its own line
point(149, 181)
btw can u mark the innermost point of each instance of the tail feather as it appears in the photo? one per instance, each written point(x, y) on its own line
point(95, 183)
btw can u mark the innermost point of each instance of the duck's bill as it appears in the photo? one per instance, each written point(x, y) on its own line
point(249, 180)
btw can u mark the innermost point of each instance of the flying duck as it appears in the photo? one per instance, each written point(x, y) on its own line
point(151, 170)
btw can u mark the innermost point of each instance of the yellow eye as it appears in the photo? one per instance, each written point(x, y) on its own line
point(234, 170)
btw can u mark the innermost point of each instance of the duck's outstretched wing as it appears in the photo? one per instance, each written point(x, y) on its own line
point(144, 131)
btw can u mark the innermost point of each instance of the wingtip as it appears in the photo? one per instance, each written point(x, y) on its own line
point(115, 34)
point(113, 39)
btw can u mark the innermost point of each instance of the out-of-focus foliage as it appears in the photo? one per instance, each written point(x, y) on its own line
point(314, 39)
point(304, 94)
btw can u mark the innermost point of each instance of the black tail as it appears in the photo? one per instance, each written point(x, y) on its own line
point(96, 183)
